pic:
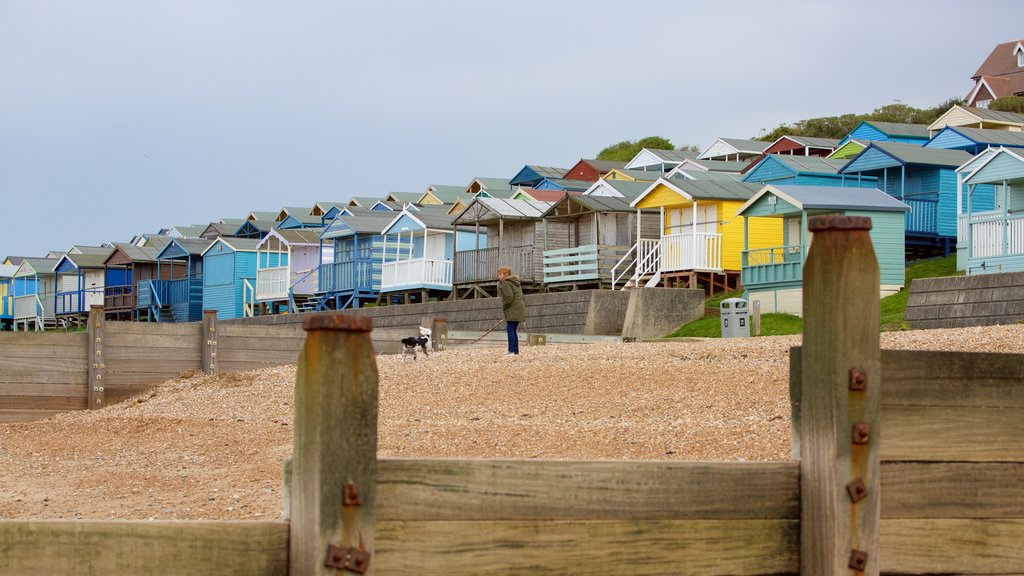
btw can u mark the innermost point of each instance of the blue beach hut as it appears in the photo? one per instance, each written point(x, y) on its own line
point(229, 277)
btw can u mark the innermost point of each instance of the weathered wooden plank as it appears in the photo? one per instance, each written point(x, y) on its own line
point(125, 353)
point(469, 490)
point(50, 402)
point(841, 341)
point(151, 341)
point(226, 329)
point(9, 416)
point(96, 361)
point(153, 329)
point(682, 547)
point(39, 376)
point(17, 352)
point(63, 339)
point(55, 363)
point(266, 343)
point(28, 389)
point(953, 546)
point(335, 445)
point(952, 434)
point(208, 342)
point(952, 378)
point(952, 490)
point(259, 356)
point(116, 379)
point(104, 548)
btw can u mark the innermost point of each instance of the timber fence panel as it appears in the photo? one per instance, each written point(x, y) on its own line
point(247, 347)
point(99, 548)
point(41, 373)
point(139, 355)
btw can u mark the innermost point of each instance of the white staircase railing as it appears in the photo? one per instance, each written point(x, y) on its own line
point(642, 259)
point(248, 298)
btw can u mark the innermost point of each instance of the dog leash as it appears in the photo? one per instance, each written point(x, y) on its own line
point(489, 330)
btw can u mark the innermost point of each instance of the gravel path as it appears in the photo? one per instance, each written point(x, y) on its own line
point(203, 447)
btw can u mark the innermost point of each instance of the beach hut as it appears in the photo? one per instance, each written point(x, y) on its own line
point(287, 264)
point(925, 180)
point(563, 185)
point(804, 171)
point(34, 290)
point(128, 268)
point(975, 140)
point(657, 160)
point(352, 253)
point(700, 238)
point(773, 275)
point(177, 296)
point(734, 149)
point(530, 175)
point(81, 282)
point(991, 225)
point(848, 150)
point(872, 131)
point(590, 170)
point(631, 175)
point(972, 117)
point(443, 194)
point(596, 231)
point(7, 296)
point(229, 277)
point(422, 270)
point(510, 233)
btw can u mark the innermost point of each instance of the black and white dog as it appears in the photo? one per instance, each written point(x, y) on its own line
point(411, 342)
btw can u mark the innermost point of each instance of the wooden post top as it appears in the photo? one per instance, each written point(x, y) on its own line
point(838, 222)
point(340, 322)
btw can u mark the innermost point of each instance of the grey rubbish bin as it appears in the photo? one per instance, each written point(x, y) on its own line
point(735, 318)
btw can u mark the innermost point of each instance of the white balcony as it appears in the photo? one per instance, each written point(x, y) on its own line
point(272, 283)
point(684, 252)
point(416, 273)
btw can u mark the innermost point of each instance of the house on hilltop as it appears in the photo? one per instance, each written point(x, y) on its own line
point(1001, 74)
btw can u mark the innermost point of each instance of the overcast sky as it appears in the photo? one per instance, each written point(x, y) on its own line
point(125, 116)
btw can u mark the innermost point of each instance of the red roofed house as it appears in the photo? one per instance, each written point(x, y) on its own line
point(1002, 74)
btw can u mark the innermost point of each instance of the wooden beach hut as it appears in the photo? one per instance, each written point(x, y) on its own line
point(287, 264)
point(352, 253)
point(128, 268)
point(595, 231)
point(7, 296)
point(178, 295)
point(35, 286)
point(925, 180)
point(700, 238)
point(81, 282)
point(991, 230)
point(422, 269)
point(773, 275)
point(229, 277)
point(510, 233)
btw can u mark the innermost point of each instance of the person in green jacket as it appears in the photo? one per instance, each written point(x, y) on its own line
point(512, 307)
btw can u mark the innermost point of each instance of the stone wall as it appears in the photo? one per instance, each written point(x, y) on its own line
point(958, 301)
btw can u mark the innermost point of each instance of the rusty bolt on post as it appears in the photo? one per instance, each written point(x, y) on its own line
point(858, 560)
point(858, 491)
point(858, 380)
point(350, 495)
point(861, 432)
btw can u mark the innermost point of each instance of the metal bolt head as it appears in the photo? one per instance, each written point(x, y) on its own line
point(350, 495)
point(861, 432)
point(858, 559)
point(857, 490)
point(858, 379)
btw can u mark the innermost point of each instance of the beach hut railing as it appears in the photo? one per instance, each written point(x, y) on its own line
point(923, 215)
point(272, 283)
point(416, 271)
point(691, 251)
point(993, 235)
point(773, 264)
point(248, 298)
point(28, 307)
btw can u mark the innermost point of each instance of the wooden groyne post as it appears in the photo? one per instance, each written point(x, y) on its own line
point(334, 461)
point(840, 393)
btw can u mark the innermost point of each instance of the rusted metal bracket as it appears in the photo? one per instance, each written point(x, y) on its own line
point(858, 379)
point(861, 432)
point(350, 495)
point(351, 559)
point(858, 491)
point(858, 560)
